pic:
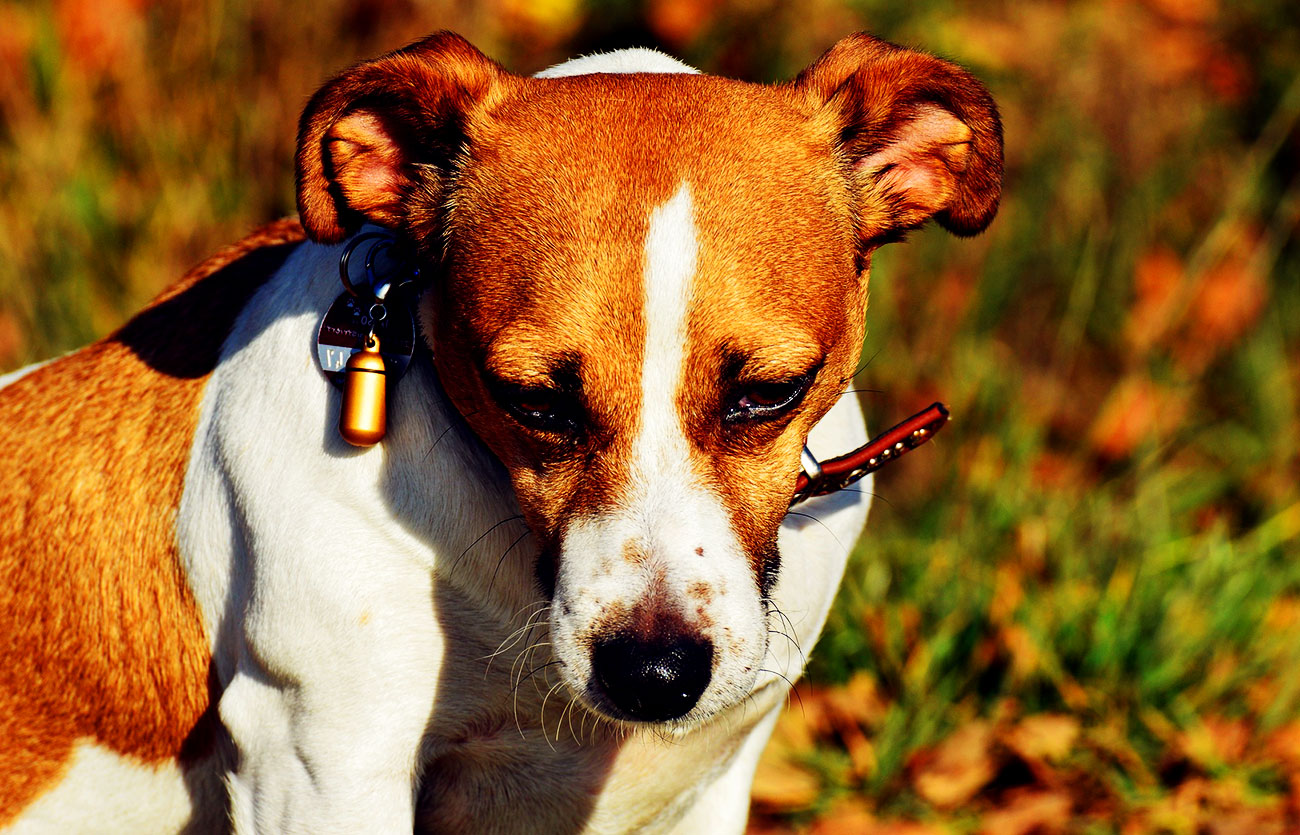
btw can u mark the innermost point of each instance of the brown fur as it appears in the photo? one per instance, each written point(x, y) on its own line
point(100, 636)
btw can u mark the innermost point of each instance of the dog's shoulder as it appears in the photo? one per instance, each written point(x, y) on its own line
point(91, 474)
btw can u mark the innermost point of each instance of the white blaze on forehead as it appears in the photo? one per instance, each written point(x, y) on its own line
point(678, 529)
point(670, 255)
point(637, 59)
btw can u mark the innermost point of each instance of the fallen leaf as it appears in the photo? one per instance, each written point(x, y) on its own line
point(902, 828)
point(1157, 277)
point(1229, 301)
point(100, 36)
point(1008, 593)
point(1188, 11)
point(11, 339)
point(783, 786)
point(848, 817)
point(1022, 649)
point(952, 772)
point(1215, 741)
point(679, 22)
point(1034, 811)
point(1135, 411)
point(1283, 745)
point(858, 702)
point(1045, 736)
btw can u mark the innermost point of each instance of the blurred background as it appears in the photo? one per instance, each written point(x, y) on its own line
point(1079, 609)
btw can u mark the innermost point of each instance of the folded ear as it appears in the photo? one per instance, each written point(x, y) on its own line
point(375, 133)
point(922, 136)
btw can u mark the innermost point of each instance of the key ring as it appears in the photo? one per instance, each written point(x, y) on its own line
point(378, 313)
point(378, 286)
point(345, 261)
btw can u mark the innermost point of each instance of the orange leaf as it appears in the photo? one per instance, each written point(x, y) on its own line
point(1045, 736)
point(959, 767)
point(849, 817)
point(99, 35)
point(780, 783)
point(1230, 300)
point(858, 702)
point(1215, 741)
point(1037, 812)
point(679, 22)
point(783, 786)
point(902, 828)
point(11, 339)
point(1284, 746)
point(1156, 279)
point(1007, 593)
point(1136, 410)
point(1022, 649)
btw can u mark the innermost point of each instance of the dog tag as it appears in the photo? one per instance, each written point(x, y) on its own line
point(344, 329)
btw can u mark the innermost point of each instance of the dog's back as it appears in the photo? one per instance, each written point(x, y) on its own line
point(111, 660)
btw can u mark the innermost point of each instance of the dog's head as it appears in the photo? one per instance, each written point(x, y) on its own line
point(649, 288)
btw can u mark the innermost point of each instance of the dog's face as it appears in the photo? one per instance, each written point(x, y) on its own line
point(649, 289)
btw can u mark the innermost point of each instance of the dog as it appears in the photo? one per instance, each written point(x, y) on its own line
point(564, 593)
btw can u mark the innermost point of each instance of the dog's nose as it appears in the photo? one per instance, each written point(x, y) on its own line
point(653, 680)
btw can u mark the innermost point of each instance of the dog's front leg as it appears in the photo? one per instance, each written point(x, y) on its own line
point(331, 695)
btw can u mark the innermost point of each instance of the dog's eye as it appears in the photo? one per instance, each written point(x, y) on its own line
point(765, 400)
point(541, 408)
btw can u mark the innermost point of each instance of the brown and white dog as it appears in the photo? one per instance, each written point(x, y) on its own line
point(645, 291)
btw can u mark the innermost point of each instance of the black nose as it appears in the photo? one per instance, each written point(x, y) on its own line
point(653, 680)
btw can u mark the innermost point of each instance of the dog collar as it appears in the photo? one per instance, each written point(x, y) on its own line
point(819, 478)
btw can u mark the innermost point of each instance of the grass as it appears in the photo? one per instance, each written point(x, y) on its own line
point(1077, 609)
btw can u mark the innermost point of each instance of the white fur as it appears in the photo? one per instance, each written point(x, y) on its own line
point(639, 59)
point(667, 517)
point(15, 376)
point(118, 794)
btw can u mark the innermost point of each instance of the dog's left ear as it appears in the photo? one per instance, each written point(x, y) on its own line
point(385, 129)
point(921, 136)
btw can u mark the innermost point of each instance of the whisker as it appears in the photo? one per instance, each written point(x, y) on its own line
point(534, 620)
point(791, 692)
point(514, 691)
point(583, 727)
point(541, 715)
point(524, 659)
point(823, 524)
point(450, 426)
point(802, 659)
point(567, 710)
point(516, 517)
point(505, 554)
point(864, 365)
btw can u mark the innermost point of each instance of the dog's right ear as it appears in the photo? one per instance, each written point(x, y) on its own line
point(384, 128)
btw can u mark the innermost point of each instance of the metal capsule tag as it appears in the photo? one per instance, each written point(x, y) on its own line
point(363, 419)
point(374, 309)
